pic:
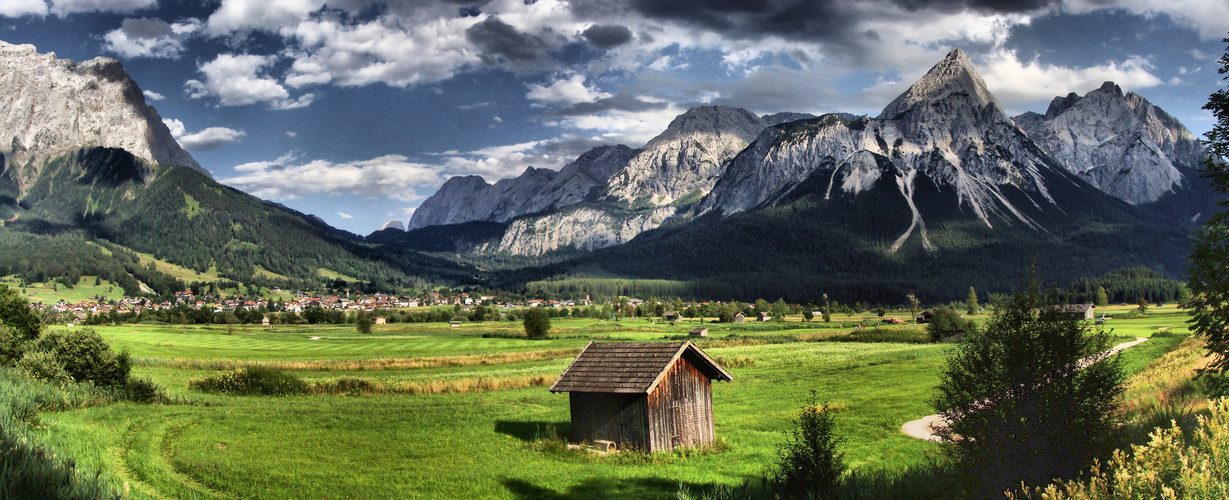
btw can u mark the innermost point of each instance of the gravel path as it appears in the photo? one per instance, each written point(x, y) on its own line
point(924, 428)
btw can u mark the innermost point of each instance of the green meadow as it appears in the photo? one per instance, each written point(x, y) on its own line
point(489, 442)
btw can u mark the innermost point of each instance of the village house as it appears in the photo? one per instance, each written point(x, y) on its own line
point(650, 396)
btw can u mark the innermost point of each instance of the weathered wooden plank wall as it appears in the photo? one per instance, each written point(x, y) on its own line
point(680, 409)
point(621, 418)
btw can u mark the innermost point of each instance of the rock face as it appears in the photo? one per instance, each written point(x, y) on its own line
point(947, 128)
point(50, 106)
point(470, 198)
point(1120, 143)
point(393, 224)
point(673, 172)
point(688, 158)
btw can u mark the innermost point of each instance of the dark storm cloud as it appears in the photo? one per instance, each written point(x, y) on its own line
point(609, 36)
point(497, 38)
point(621, 102)
point(833, 22)
point(146, 28)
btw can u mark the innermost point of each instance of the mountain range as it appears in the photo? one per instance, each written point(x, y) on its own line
point(941, 172)
point(941, 191)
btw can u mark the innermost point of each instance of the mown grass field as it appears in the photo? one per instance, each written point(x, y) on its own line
point(484, 444)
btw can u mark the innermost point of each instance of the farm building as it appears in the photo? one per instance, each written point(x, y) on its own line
point(763, 317)
point(651, 396)
point(740, 317)
point(1072, 311)
point(381, 320)
point(670, 316)
point(699, 332)
point(924, 318)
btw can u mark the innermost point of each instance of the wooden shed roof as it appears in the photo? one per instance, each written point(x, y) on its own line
point(631, 367)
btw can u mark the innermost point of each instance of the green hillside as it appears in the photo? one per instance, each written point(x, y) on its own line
point(178, 216)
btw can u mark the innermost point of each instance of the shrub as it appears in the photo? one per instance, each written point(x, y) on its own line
point(82, 354)
point(251, 381)
point(946, 321)
point(1165, 467)
point(45, 366)
point(143, 390)
point(810, 465)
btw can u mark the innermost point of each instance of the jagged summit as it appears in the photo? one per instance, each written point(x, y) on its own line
point(688, 157)
point(1119, 143)
point(51, 106)
point(953, 76)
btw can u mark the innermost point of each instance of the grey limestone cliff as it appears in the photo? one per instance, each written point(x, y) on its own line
point(1120, 143)
point(947, 127)
point(51, 106)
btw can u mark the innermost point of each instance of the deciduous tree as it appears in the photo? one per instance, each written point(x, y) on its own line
point(1206, 276)
point(1019, 405)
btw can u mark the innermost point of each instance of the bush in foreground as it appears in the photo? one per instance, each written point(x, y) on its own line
point(810, 464)
point(251, 381)
point(1163, 468)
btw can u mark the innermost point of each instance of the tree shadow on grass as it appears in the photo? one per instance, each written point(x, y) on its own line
point(529, 431)
point(598, 488)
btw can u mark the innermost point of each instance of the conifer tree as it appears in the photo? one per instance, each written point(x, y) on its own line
point(970, 305)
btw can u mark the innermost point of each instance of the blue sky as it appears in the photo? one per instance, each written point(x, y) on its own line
point(358, 110)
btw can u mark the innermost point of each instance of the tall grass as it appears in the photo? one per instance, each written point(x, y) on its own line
point(1165, 467)
point(27, 469)
point(359, 365)
point(1167, 390)
point(358, 386)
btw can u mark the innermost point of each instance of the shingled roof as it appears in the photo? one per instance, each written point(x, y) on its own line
point(631, 367)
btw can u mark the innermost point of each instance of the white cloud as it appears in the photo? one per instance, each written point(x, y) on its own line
point(153, 96)
point(1017, 82)
point(1209, 17)
point(18, 8)
point(344, 215)
point(249, 15)
point(65, 7)
point(205, 140)
point(393, 176)
point(150, 38)
point(569, 91)
point(291, 134)
point(386, 50)
point(238, 80)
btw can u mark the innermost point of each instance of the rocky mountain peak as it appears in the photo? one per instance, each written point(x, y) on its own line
point(953, 76)
point(687, 159)
point(1120, 143)
point(53, 106)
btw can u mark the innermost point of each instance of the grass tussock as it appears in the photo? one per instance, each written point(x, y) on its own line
point(360, 365)
point(352, 386)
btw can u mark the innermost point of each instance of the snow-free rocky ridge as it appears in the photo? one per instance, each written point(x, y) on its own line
point(54, 106)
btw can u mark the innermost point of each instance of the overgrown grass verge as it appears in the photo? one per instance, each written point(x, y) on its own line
point(358, 365)
point(27, 469)
point(1167, 390)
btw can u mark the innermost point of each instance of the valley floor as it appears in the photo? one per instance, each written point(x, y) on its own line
point(464, 438)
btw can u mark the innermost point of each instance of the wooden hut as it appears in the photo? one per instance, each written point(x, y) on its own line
point(1071, 311)
point(381, 320)
point(699, 332)
point(740, 317)
point(651, 396)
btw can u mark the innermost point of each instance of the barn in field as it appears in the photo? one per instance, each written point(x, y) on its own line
point(651, 396)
